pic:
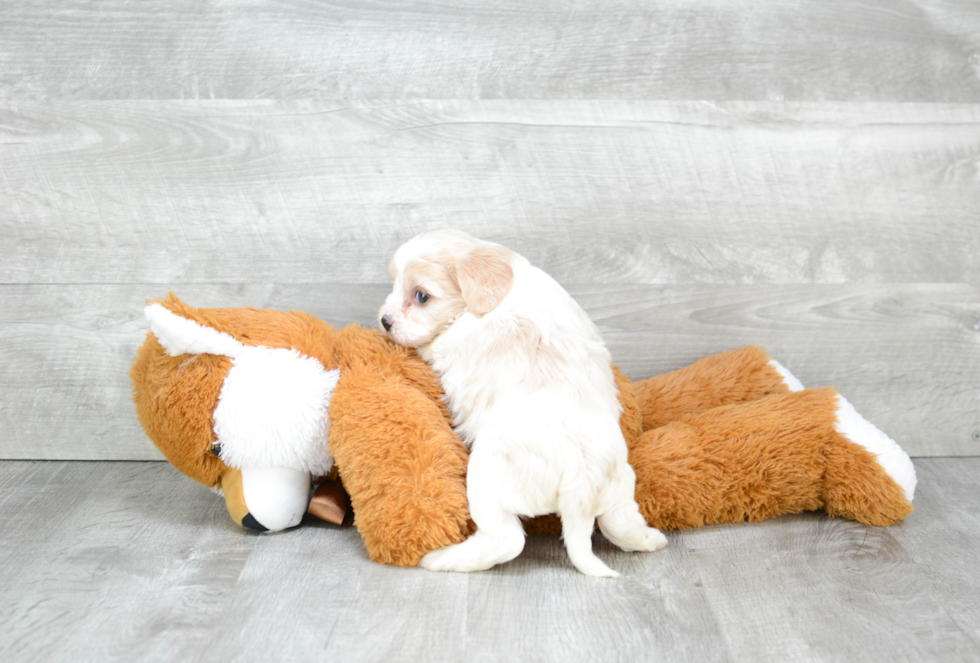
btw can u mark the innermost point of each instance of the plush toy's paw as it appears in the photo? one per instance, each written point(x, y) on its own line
point(888, 453)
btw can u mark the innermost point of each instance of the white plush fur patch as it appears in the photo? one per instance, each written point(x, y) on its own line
point(273, 411)
point(788, 378)
point(891, 457)
point(277, 497)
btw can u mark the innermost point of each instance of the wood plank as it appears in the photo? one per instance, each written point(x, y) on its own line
point(124, 561)
point(593, 192)
point(821, 590)
point(950, 496)
point(906, 356)
point(888, 50)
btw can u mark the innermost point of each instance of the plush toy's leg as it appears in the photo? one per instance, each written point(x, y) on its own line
point(402, 465)
point(738, 376)
point(854, 486)
point(787, 453)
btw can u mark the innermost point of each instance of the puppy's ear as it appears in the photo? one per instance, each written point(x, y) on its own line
point(484, 277)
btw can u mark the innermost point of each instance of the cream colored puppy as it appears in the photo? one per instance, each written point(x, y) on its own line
point(531, 389)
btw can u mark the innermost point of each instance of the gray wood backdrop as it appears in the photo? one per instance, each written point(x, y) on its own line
point(700, 175)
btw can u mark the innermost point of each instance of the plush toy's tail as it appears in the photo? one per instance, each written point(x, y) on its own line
point(180, 336)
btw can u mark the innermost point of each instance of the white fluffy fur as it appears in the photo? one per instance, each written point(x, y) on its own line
point(180, 336)
point(273, 411)
point(273, 408)
point(532, 392)
point(791, 381)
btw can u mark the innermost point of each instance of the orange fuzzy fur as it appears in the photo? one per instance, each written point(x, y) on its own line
point(397, 456)
point(751, 461)
point(722, 440)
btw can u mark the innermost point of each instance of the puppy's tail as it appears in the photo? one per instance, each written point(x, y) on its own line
point(180, 336)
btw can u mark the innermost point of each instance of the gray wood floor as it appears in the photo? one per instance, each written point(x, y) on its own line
point(130, 561)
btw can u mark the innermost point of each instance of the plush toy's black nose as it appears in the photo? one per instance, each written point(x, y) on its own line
point(386, 322)
point(250, 522)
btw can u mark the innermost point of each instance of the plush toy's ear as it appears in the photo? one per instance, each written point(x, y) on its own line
point(403, 465)
point(180, 336)
point(485, 276)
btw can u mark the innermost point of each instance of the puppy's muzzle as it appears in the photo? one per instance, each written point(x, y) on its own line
point(386, 322)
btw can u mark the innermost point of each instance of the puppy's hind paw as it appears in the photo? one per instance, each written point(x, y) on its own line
point(653, 540)
point(594, 567)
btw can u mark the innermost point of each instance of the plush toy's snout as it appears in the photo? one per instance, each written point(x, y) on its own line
point(267, 499)
point(274, 499)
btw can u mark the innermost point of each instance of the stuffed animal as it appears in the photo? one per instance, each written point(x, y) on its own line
point(263, 405)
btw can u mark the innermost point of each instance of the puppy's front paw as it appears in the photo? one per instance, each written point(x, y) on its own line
point(440, 559)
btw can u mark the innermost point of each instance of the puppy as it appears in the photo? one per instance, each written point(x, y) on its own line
point(532, 393)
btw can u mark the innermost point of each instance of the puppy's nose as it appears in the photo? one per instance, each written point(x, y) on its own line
point(386, 322)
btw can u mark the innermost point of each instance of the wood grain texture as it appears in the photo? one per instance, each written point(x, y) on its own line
point(702, 175)
point(593, 192)
point(131, 561)
point(905, 356)
point(883, 50)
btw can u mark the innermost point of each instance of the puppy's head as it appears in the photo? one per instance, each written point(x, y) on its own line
point(439, 275)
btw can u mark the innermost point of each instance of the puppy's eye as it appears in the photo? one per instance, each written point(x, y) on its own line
point(421, 297)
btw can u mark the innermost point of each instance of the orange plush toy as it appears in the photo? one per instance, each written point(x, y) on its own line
point(264, 405)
